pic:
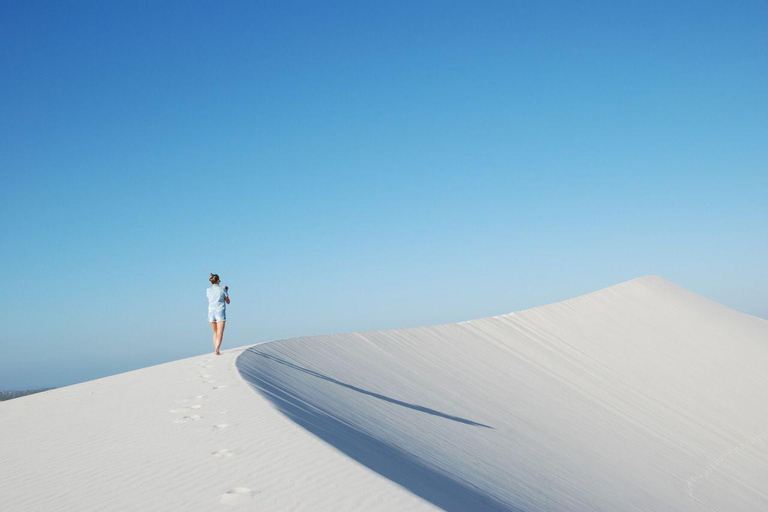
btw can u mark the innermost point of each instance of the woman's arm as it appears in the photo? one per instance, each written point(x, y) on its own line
point(226, 291)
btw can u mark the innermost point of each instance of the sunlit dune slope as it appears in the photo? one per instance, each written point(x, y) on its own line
point(642, 396)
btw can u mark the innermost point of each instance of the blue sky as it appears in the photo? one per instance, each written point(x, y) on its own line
point(360, 165)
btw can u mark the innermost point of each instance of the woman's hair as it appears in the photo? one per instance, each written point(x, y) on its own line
point(214, 278)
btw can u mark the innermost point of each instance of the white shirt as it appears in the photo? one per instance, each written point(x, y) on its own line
point(216, 295)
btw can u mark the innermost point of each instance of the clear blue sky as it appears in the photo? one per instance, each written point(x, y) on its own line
point(364, 165)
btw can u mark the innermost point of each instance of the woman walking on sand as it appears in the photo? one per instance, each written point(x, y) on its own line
point(218, 298)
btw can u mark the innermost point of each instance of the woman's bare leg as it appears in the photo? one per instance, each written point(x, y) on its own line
point(219, 336)
point(213, 326)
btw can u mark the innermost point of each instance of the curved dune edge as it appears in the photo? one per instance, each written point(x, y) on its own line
point(642, 396)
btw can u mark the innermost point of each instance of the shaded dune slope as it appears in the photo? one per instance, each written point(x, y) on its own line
point(642, 396)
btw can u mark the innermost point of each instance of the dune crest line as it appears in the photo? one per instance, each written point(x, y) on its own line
point(618, 400)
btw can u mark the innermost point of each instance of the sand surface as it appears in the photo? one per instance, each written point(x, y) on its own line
point(187, 435)
point(639, 397)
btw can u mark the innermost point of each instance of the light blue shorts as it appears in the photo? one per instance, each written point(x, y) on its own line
point(220, 315)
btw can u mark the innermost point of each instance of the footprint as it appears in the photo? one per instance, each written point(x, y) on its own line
point(222, 453)
point(184, 409)
point(206, 376)
point(211, 381)
point(220, 386)
point(238, 495)
point(220, 426)
point(199, 397)
point(187, 419)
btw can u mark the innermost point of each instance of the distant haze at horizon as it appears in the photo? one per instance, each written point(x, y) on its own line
point(364, 167)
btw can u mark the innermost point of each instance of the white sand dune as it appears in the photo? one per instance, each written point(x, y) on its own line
point(639, 397)
point(189, 435)
point(643, 396)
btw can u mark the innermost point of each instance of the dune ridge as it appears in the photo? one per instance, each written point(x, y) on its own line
point(641, 396)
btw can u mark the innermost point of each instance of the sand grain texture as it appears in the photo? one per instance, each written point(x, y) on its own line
point(166, 438)
point(639, 397)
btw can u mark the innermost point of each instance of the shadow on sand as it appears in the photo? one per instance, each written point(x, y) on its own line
point(419, 408)
point(388, 460)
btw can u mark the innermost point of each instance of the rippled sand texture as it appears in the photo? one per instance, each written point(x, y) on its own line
point(639, 397)
point(642, 396)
